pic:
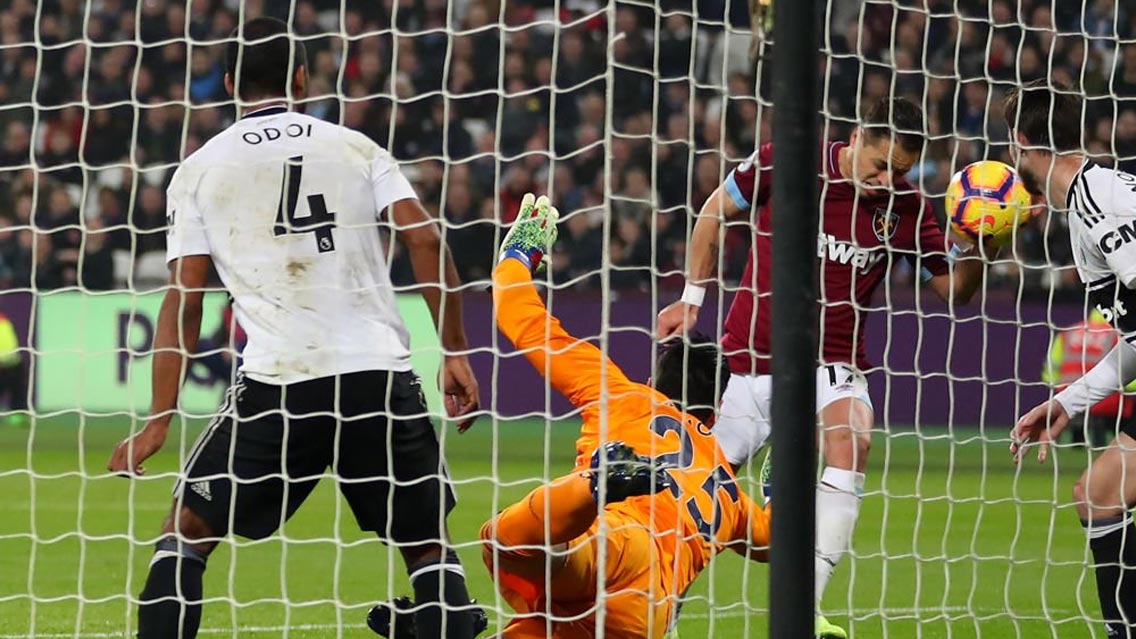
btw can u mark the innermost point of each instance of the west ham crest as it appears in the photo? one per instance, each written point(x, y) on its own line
point(884, 223)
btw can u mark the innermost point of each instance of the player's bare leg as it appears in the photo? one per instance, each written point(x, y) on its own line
point(170, 603)
point(846, 438)
point(1103, 496)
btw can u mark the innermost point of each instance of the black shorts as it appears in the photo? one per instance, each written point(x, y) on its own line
point(1113, 425)
point(255, 463)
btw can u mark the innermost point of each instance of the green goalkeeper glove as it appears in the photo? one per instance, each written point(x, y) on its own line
point(533, 233)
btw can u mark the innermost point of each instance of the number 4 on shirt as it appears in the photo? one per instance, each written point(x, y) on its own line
point(320, 221)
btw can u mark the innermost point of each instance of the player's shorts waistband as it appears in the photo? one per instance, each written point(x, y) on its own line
point(339, 394)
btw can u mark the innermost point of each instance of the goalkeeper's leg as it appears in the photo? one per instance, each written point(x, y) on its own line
point(170, 603)
point(538, 529)
point(551, 515)
point(1103, 495)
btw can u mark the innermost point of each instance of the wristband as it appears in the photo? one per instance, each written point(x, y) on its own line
point(693, 295)
point(953, 254)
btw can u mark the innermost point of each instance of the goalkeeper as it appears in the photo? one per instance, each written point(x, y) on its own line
point(671, 501)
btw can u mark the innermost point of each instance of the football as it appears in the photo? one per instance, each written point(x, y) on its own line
point(987, 199)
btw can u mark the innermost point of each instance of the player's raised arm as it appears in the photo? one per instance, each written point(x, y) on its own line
point(953, 273)
point(733, 197)
point(434, 270)
point(572, 366)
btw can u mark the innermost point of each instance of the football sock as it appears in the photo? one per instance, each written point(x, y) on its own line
point(1113, 542)
point(439, 585)
point(170, 603)
point(837, 509)
point(553, 514)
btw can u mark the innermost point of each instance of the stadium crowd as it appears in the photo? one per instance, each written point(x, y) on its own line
point(483, 103)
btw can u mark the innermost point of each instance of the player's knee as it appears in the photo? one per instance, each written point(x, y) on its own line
point(1080, 499)
point(847, 448)
point(1092, 502)
point(489, 540)
point(421, 553)
point(487, 532)
point(186, 524)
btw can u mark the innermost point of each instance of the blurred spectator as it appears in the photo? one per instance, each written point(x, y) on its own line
point(148, 221)
point(13, 375)
point(96, 267)
point(98, 118)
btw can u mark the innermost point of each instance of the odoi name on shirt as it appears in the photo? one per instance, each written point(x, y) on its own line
point(271, 133)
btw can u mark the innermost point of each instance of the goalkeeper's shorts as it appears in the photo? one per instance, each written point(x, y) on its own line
point(268, 446)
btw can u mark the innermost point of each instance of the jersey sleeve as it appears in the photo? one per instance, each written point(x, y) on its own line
point(574, 367)
point(749, 184)
point(752, 530)
point(930, 243)
point(388, 183)
point(185, 226)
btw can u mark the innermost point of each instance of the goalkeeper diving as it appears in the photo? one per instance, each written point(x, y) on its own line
point(652, 498)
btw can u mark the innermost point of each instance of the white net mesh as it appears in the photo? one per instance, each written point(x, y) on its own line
point(629, 115)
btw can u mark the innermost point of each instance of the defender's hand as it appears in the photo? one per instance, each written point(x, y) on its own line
point(132, 451)
point(1043, 424)
point(676, 319)
point(532, 234)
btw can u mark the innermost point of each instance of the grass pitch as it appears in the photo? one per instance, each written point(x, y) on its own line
point(953, 541)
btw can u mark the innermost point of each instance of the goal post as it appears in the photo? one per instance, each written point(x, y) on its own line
point(628, 114)
point(795, 314)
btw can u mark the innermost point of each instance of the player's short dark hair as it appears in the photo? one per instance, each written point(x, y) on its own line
point(898, 117)
point(692, 373)
point(264, 48)
point(1047, 112)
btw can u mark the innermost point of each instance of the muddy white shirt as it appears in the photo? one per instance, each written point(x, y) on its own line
point(1102, 229)
point(287, 207)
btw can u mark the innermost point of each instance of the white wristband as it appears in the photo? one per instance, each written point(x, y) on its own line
point(693, 295)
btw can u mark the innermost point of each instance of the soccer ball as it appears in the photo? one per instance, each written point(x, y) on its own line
point(987, 200)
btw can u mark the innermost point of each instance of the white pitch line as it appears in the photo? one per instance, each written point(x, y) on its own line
point(725, 614)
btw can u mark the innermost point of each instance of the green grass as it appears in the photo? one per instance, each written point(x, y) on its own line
point(952, 542)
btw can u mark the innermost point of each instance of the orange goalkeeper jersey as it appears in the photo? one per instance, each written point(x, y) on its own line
point(706, 510)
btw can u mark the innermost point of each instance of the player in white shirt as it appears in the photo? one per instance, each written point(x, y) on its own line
point(286, 208)
point(1045, 126)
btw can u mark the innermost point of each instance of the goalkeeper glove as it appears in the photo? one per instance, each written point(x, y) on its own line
point(533, 233)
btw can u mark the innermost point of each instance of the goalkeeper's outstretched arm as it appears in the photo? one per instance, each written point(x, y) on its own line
point(573, 366)
point(751, 539)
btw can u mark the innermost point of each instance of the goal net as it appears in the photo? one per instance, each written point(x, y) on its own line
point(628, 115)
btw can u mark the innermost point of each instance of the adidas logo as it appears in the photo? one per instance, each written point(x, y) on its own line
point(202, 488)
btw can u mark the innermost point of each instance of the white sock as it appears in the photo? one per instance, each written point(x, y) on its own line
point(838, 508)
